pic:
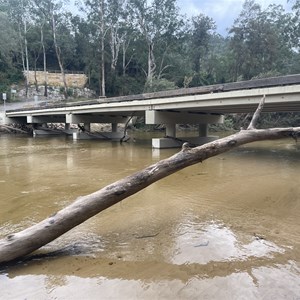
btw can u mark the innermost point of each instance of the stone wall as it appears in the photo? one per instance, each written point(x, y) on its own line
point(55, 79)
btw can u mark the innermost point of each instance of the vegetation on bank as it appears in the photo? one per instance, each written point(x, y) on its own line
point(135, 46)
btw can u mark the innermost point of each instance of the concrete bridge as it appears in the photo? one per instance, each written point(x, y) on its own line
point(201, 106)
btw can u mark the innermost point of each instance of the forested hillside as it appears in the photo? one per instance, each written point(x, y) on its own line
point(132, 46)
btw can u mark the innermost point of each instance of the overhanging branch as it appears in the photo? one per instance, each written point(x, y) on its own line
point(256, 115)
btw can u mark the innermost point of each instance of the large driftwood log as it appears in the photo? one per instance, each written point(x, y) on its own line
point(19, 244)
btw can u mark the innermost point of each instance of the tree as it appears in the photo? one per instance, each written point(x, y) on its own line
point(295, 24)
point(157, 22)
point(258, 40)
point(120, 35)
point(17, 245)
point(201, 35)
point(8, 52)
point(42, 25)
point(8, 36)
point(50, 10)
point(97, 14)
point(19, 12)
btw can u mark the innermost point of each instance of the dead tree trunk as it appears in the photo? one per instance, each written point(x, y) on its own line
point(19, 244)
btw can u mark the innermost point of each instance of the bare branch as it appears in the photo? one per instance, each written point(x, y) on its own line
point(256, 115)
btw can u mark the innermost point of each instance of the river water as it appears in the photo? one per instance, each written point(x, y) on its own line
point(227, 228)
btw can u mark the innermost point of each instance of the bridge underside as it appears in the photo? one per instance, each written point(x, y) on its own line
point(169, 118)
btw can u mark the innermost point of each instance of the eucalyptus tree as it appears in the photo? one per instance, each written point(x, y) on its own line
point(200, 32)
point(52, 11)
point(279, 41)
point(295, 24)
point(43, 40)
point(8, 38)
point(18, 11)
point(121, 34)
point(157, 21)
point(8, 46)
point(202, 28)
point(116, 23)
point(258, 40)
point(240, 39)
point(217, 61)
point(112, 32)
point(34, 50)
point(96, 11)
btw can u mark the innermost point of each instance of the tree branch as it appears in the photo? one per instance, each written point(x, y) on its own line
point(256, 115)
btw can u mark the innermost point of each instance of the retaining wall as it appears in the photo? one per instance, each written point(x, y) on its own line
point(55, 79)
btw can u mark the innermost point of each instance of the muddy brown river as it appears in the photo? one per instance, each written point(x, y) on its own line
point(228, 228)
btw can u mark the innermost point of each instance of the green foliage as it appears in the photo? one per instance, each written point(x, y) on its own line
point(202, 26)
point(260, 42)
point(287, 119)
point(126, 85)
point(228, 125)
point(148, 46)
point(159, 84)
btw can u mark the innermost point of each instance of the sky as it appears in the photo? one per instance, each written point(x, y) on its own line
point(223, 12)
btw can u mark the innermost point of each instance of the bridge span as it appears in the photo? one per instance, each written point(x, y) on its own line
point(201, 105)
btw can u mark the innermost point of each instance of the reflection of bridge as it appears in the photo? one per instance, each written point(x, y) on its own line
point(202, 105)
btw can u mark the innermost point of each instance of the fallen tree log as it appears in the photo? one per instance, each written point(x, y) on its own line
point(17, 245)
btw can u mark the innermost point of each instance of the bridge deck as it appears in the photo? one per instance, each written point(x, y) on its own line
point(282, 94)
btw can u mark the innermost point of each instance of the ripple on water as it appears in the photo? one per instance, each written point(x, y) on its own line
point(206, 242)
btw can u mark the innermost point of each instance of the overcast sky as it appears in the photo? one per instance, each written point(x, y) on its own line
point(223, 12)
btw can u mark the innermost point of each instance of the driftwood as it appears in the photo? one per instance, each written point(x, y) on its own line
point(20, 244)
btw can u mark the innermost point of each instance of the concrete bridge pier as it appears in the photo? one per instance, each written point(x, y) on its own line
point(203, 130)
point(87, 127)
point(87, 120)
point(114, 127)
point(171, 118)
point(171, 130)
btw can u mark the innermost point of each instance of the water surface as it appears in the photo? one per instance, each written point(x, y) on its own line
point(226, 228)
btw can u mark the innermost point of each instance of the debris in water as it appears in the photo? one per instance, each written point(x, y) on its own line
point(204, 244)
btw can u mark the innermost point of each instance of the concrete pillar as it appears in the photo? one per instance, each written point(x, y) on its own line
point(114, 127)
point(171, 130)
point(87, 126)
point(2, 118)
point(203, 130)
point(67, 126)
